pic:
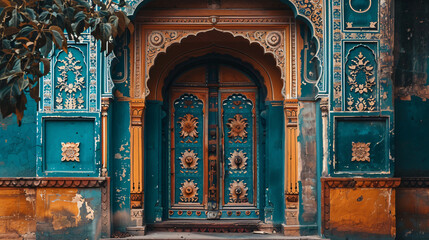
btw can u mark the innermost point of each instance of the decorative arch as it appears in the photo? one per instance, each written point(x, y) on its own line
point(311, 11)
point(158, 41)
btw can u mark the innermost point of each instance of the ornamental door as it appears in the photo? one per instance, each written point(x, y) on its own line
point(213, 150)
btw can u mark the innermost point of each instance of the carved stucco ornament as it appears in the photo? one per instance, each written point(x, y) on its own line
point(360, 152)
point(70, 152)
point(237, 160)
point(361, 64)
point(159, 40)
point(237, 126)
point(189, 159)
point(71, 66)
point(188, 125)
point(238, 192)
point(189, 191)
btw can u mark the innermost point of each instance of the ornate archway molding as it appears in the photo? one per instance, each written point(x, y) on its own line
point(157, 42)
point(309, 10)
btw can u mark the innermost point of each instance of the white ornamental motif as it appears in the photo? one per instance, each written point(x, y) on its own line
point(70, 87)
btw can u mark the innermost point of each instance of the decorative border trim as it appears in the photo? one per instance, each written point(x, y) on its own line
point(414, 183)
point(54, 182)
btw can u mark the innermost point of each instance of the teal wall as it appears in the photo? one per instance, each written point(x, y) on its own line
point(18, 144)
point(155, 181)
point(411, 82)
point(120, 164)
point(274, 163)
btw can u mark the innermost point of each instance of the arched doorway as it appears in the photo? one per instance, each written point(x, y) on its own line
point(214, 104)
point(169, 57)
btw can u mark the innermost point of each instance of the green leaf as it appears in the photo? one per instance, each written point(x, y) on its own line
point(17, 66)
point(83, 3)
point(30, 13)
point(59, 38)
point(13, 22)
point(6, 43)
point(25, 31)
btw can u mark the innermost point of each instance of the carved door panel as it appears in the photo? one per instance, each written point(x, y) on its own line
point(188, 152)
point(213, 167)
point(239, 168)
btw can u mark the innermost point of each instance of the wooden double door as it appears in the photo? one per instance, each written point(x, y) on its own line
point(213, 152)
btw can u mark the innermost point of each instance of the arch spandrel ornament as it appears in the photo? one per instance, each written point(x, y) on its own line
point(157, 41)
point(310, 10)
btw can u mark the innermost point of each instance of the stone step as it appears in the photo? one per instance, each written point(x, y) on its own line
point(205, 235)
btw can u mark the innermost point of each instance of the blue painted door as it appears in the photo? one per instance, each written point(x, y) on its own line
point(213, 151)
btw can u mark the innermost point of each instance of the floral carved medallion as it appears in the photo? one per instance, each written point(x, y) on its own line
point(360, 152)
point(70, 152)
point(237, 160)
point(189, 159)
point(188, 125)
point(189, 191)
point(238, 192)
point(237, 126)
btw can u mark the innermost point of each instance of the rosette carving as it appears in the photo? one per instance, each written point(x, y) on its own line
point(238, 192)
point(188, 125)
point(189, 191)
point(237, 160)
point(237, 126)
point(360, 152)
point(189, 159)
point(70, 152)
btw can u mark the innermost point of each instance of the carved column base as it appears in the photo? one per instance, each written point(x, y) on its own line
point(291, 211)
point(137, 217)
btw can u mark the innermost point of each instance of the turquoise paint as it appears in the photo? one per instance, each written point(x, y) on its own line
point(361, 13)
point(18, 144)
point(362, 130)
point(319, 167)
point(411, 74)
point(54, 129)
point(121, 66)
point(119, 161)
point(311, 70)
point(274, 163)
point(76, 131)
point(412, 158)
point(155, 180)
point(87, 228)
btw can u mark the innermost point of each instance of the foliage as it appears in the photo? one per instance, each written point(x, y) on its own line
point(30, 29)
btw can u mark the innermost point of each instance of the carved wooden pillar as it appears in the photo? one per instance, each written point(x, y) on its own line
point(137, 168)
point(324, 108)
point(291, 170)
point(105, 102)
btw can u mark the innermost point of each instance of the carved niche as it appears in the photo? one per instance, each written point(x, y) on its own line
point(361, 78)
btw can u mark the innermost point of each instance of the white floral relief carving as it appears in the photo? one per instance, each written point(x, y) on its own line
point(70, 87)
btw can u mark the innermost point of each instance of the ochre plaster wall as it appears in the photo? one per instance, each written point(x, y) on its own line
point(50, 213)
